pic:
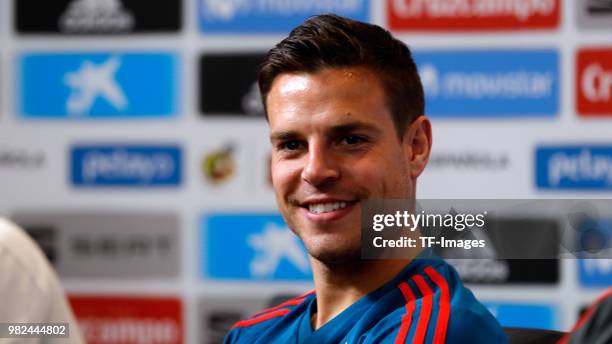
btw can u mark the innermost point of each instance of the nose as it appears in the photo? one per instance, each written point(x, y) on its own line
point(321, 167)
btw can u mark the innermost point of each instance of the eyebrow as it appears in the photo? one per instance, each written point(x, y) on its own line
point(285, 135)
point(352, 127)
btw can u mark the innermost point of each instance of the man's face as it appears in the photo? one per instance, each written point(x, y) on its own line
point(334, 144)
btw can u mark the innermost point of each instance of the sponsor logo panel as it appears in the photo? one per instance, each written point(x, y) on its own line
point(46, 238)
point(538, 316)
point(97, 16)
point(578, 167)
point(107, 244)
point(594, 14)
point(511, 271)
point(240, 97)
point(21, 159)
point(218, 315)
point(98, 85)
point(469, 160)
point(594, 82)
point(126, 165)
point(251, 247)
point(494, 83)
point(244, 16)
point(507, 235)
point(219, 166)
point(595, 272)
point(129, 319)
point(473, 15)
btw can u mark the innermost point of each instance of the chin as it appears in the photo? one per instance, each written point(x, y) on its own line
point(334, 252)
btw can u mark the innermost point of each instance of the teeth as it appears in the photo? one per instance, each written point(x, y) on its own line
point(326, 207)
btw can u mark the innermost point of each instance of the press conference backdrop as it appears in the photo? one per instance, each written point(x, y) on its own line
point(133, 148)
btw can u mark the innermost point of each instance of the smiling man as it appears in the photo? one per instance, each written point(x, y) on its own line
point(345, 108)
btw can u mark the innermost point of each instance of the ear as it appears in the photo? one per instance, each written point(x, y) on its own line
point(417, 145)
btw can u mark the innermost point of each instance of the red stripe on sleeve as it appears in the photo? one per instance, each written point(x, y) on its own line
point(407, 318)
point(267, 316)
point(425, 290)
point(444, 312)
point(292, 302)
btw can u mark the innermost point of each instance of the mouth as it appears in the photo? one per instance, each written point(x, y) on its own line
point(325, 211)
point(321, 208)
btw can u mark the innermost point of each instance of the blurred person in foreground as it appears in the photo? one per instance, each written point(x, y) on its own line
point(595, 325)
point(345, 110)
point(30, 291)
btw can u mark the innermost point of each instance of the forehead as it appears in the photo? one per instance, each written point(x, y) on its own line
point(329, 95)
point(342, 81)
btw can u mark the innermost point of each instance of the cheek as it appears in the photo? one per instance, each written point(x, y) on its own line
point(366, 173)
point(285, 174)
point(384, 173)
point(371, 168)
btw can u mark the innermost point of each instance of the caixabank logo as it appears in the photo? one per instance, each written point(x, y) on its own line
point(490, 83)
point(473, 15)
point(594, 81)
point(127, 319)
point(246, 16)
point(574, 167)
point(251, 247)
point(97, 16)
point(98, 85)
point(125, 165)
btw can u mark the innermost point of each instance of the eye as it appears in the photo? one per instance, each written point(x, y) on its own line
point(352, 140)
point(290, 145)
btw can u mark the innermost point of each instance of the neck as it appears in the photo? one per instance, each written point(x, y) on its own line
point(341, 285)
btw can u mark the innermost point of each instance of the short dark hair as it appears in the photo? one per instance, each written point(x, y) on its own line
point(331, 41)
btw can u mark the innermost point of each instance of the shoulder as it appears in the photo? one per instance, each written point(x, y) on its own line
point(245, 331)
point(31, 289)
point(437, 308)
point(23, 259)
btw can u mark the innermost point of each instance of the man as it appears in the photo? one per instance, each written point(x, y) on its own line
point(30, 291)
point(594, 325)
point(345, 109)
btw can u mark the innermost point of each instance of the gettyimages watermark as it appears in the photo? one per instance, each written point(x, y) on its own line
point(487, 229)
